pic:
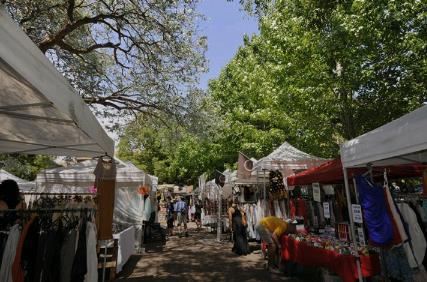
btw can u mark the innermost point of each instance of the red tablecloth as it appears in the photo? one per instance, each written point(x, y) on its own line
point(343, 265)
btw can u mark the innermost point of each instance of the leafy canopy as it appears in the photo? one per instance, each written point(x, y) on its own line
point(122, 55)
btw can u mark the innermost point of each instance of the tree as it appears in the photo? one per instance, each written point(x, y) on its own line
point(321, 72)
point(25, 166)
point(177, 152)
point(125, 55)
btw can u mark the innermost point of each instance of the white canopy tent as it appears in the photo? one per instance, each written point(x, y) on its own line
point(401, 141)
point(287, 158)
point(39, 110)
point(24, 185)
point(79, 178)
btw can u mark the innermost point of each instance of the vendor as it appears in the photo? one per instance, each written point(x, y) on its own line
point(270, 229)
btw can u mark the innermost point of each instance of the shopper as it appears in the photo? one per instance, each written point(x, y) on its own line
point(198, 215)
point(10, 198)
point(170, 216)
point(238, 222)
point(271, 229)
point(181, 215)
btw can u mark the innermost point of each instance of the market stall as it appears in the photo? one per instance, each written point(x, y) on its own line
point(42, 114)
point(131, 206)
point(329, 177)
point(402, 141)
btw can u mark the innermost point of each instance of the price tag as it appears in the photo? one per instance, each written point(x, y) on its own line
point(361, 236)
point(326, 210)
point(357, 213)
point(316, 192)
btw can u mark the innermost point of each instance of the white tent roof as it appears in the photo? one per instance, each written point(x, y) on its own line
point(39, 110)
point(288, 156)
point(80, 177)
point(24, 185)
point(403, 140)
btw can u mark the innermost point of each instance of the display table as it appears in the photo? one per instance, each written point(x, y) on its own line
point(126, 241)
point(343, 265)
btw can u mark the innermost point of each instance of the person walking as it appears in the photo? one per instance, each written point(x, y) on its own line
point(198, 215)
point(238, 222)
point(271, 229)
point(181, 216)
point(170, 216)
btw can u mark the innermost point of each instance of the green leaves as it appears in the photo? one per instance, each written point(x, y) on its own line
point(319, 72)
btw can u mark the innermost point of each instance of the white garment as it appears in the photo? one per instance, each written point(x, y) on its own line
point(395, 215)
point(147, 209)
point(9, 254)
point(250, 229)
point(418, 241)
point(92, 259)
point(126, 241)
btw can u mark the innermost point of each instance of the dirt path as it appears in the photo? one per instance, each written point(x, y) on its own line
point(197, 258)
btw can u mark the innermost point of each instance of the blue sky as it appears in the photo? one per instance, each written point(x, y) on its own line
point(225, 26)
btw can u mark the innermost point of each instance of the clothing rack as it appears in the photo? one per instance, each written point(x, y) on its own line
point(48, 210)
point(58, 194)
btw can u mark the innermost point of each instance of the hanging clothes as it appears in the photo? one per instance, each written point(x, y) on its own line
point(79, 268)
point(395, 215)
point(300, 208)
point(377, 219)
point(17, 271)
point(92, 259)
point(68, 251)
point(292, 209)
point(418, 242)
point(9, 254)
point(277, 210)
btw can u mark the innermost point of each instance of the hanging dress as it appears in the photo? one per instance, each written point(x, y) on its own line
point(375, 214)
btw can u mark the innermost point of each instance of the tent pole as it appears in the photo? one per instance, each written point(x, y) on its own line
point(218, 227)
point(352, 231)
point(264, 191)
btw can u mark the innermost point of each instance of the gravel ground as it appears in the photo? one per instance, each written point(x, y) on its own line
point(197, 258)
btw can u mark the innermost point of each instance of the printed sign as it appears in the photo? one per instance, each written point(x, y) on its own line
point(316, 192)
point(326, 210)
point(361, 236)
point(357, 213)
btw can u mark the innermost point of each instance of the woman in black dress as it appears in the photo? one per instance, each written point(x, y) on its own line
point(238, 227)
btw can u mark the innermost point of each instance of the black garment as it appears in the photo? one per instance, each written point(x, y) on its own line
point(29, 256)
point(52, 257)
point(198, 213)
point(3, 240)
point(240, 239)
point(79, 269)
point(41, 249)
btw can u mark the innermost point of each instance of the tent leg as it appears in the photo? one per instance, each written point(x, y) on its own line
point(352, 231)
point(265, 192)
point(218, 227)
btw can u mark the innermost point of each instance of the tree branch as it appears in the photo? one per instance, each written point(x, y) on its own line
point(70, 10)
point(52, 40)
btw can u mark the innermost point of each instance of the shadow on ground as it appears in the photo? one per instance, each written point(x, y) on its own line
point(197, 258)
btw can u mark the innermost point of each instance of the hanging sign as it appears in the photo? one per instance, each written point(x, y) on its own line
point(361, 236)
point(316, 192)
point(357, 213)
point(326, 210)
